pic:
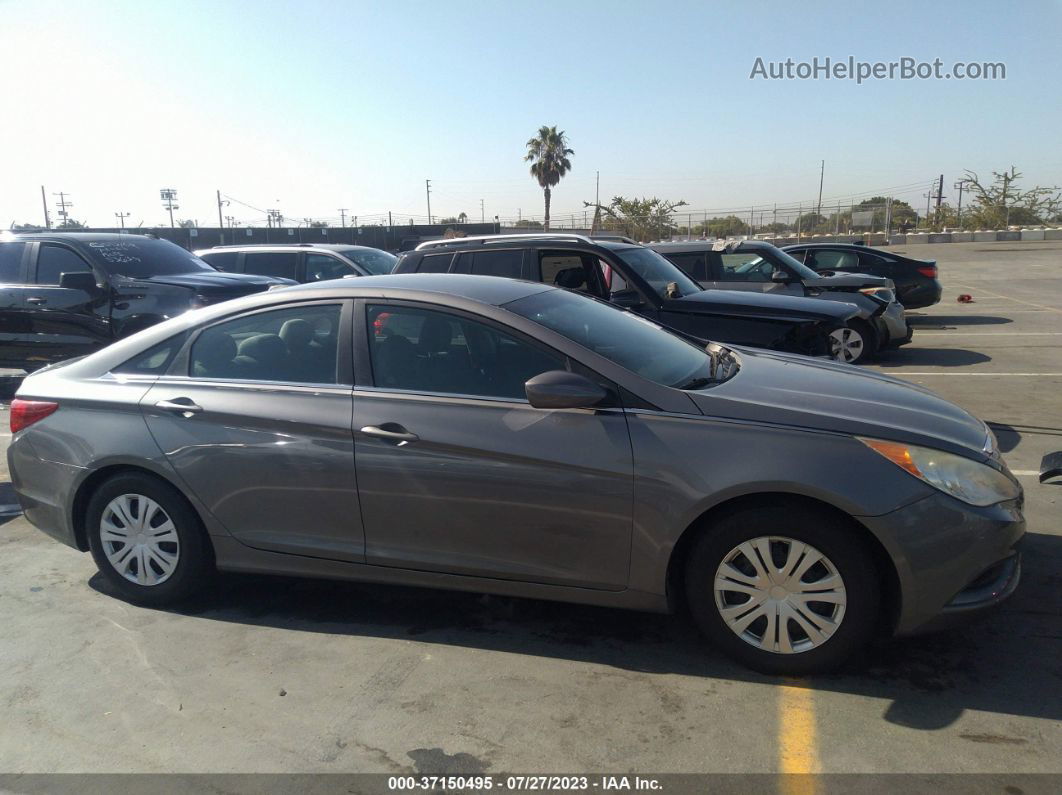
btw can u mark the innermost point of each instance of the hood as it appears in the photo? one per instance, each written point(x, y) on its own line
point(847, 281)
point(737, 302)
point(217, 282)
point(812, 393)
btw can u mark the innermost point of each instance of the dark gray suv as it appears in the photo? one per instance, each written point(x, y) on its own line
point(507, 437)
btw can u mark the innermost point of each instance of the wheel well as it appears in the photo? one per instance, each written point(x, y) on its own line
point(100, 476)
point(676, 570)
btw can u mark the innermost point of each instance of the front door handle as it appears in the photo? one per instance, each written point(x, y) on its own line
point(392, 432)
point(182, 405)
point(36, 301)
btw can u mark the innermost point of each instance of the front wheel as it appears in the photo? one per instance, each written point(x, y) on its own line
point(147, 540)
point(854, 344)
point(784, 590)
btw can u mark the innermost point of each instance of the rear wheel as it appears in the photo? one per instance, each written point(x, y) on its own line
point(147, 540)
point(855, 343)
point(784, 590)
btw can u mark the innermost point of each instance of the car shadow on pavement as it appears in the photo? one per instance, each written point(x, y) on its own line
point(931, 357)
point(930, 322)
point(1006, 663)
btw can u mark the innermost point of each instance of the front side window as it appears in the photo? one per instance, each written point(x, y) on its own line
point(689, 262)
point(423, 350)
point(563, 269)
point(321, 267)
point(53, 261)
point(280, 264)
point(294, 345)
point(629, 340)
point(745, 268)
point(11, 262)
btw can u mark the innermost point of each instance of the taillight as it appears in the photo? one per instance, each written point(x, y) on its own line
point(26, 412)
point(930, 271)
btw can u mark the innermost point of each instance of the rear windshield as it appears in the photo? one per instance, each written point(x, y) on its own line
point(373, 261)
point(140, 257)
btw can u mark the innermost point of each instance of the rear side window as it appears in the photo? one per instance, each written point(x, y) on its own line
point(293, 345)
point(435, 263)
point(498, 263)
point(835, 260)
point(271, 263)
point(222, 260)
point(53, 261)
point(155, 360)
point(564, 269)
point(11, 262)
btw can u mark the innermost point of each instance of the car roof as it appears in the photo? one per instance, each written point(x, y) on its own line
point(856, 246)
point(77, 237)
point(289, 246)
point(484, 289)
point(537, 239)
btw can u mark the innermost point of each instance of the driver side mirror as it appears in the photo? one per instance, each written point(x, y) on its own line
point(559, 389)
point(79, 280)
point(628, 299)
point(781, 277)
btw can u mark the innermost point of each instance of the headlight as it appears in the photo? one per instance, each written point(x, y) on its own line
point(966, 480)
point(884, 293)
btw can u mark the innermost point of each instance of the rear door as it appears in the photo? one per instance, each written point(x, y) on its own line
point(64, 322)
point(227, 261)
point(507, 262)
point(748, 271)
point(840, 260)
point(254, 416)
point(322, 267)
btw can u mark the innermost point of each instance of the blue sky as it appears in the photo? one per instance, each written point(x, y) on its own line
point(313, 106)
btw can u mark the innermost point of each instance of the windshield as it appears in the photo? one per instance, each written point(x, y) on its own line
point(658, 272)
point(374, 261)
point(139, 257)
point(629, 340)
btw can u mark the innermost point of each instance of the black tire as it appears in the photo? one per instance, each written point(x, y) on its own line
point(870, 341)
point(827, 533)
point(195, 561)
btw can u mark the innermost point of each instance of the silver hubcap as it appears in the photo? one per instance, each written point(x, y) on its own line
point(846, 345)
point(139, 539)
point(779, 594)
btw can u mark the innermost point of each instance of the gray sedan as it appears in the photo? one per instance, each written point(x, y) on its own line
point(501, 436)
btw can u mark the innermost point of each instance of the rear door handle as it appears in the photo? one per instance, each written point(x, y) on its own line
point(36, 301)
point(181, 405)
point(392, 432)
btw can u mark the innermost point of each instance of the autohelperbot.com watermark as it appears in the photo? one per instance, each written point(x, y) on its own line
point(905, 68)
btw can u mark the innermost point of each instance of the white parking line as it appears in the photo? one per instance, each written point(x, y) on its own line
point(1025, 473)
point(1007, 375)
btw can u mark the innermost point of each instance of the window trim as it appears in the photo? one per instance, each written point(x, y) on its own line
point(180, 366)
point(365, 381)
point(293, 277)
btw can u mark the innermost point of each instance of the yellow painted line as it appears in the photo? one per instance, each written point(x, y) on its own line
point(798, 755)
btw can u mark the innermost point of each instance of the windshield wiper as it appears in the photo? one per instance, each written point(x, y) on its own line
point(697, 383)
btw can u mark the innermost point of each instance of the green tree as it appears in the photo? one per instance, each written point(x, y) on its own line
point(71, 223)
point(641, 219)
point(548, 154)
point(1001, 202)
point(462, 218)
point(450, 219)
point(727, 226)
point(318, 224)
point(812, 224)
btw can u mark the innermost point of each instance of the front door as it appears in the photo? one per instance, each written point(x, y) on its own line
point(257, 424)
point(751, 272)
point(458, 473)
point(65, 322)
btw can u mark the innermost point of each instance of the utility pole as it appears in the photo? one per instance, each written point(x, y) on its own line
point(959, 186)
point(888, 217)
point(343, 216)
point(221, 220)
point(427, 189)
point(121, 218)
point(822, 173)
point(169, 198)
point(597, 190)
point(482, 216)
point(62, 204)
point(47, 219)
point(837, 220)
point(1006, 185)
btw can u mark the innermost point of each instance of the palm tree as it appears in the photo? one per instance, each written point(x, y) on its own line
point(548, 154)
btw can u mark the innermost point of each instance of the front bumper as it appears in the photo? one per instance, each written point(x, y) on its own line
point(952, 560)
